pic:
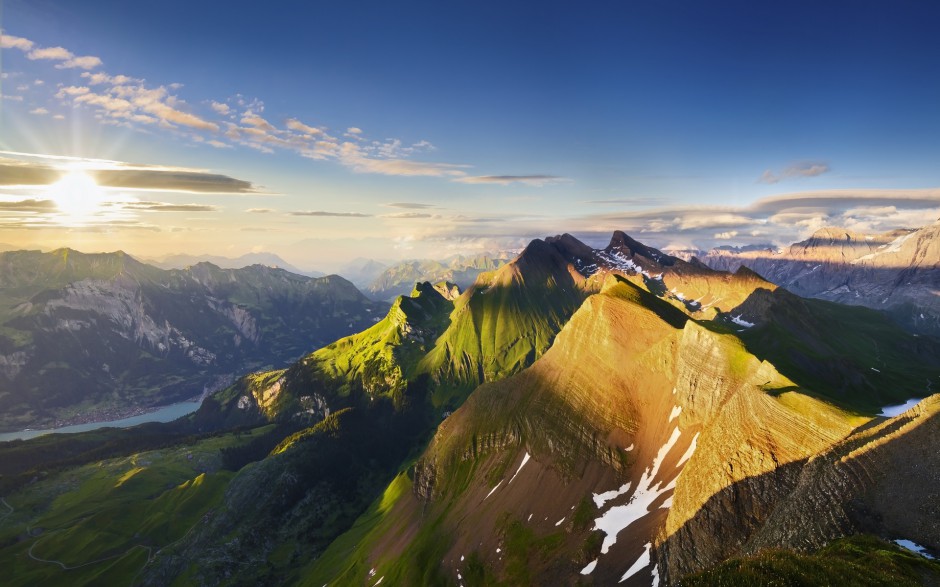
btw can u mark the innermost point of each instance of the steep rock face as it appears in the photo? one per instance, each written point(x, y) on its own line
point(883, 479)
point(379, 361)
point(96, 334)
point(754, 433)
point(880, 479)
point(898, 271)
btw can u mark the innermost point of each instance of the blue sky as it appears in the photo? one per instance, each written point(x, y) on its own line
point(427, 128)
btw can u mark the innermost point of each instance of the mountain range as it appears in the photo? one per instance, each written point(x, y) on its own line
point(182, 260)
point(578, 416)
point(88, 335)
point(897, 271)
point(461, 270)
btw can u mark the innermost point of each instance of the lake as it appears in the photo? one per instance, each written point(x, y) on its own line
point(164, 414)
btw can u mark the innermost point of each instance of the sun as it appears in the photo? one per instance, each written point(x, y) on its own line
point(77, 196)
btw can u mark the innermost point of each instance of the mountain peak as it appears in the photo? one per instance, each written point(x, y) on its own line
point(624, 244)
point(570, 246)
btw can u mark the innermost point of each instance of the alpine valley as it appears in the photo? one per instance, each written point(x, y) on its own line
point(576, 416)
point(89, 336)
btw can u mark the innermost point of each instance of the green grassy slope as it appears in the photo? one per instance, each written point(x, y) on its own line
point(851, 355)
point(103, 521)
point(858, 561)
point(505, 321)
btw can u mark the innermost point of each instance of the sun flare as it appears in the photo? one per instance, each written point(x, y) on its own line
point(77, 196)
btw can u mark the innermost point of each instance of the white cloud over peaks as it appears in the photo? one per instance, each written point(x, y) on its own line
point(11, 42)
point(780, 219)
point(352, 156)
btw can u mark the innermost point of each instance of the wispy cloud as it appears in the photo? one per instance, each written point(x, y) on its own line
point(174, 181)
point(11, 42)
point(409, 215)
point(404, 167)
point(28, 206)
point(67, 59)
point(296, 125)
point(323, 213)
point(30, 169)
point(636, 201)
point(533, 180)
point(259, 210)
point(221, 108)
point(126, 101)
point(796, 171)
point(52, 53)
point(410, 205)
point(168, 207)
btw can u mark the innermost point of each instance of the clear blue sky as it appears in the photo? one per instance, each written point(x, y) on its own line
point(488, 122)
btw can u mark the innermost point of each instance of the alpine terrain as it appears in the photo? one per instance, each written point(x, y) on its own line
point(578, 416)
